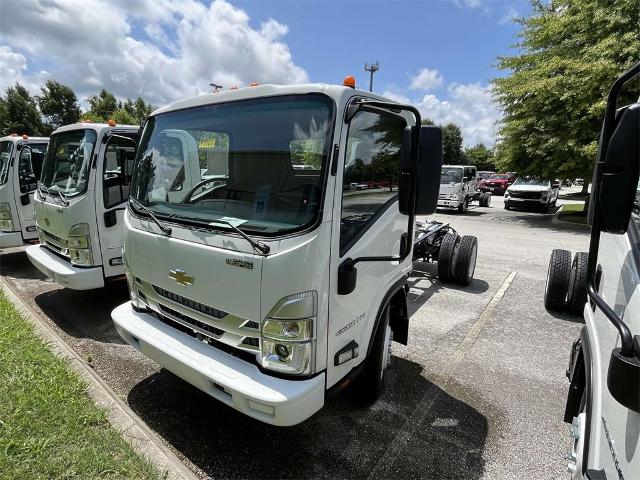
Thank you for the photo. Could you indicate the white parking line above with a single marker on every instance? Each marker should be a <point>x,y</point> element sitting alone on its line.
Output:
<point>382,468</point>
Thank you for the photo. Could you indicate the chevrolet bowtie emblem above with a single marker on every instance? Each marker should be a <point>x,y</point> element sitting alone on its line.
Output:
<point>181,277</point>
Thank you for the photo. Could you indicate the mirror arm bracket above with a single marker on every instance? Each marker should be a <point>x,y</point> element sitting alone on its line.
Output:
<point>626,339</point>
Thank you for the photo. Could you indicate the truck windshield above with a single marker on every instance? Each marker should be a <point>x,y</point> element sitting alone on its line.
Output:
<point>66,165</point>
<point>258,164</point>
<point>450,175</point>
<point>6,148</point>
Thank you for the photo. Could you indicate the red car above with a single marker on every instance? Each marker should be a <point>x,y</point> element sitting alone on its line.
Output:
<point>498,183</point>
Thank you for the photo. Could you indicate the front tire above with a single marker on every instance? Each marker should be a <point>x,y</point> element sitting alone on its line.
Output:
<point>447,255</point>
<point>557,285</point>
<point>462,208</point>
<point>371,381</point>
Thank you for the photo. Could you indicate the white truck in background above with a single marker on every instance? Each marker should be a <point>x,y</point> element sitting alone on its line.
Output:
<point>80,203</point>
<point>603,285</point>
<point>21,160</point>
<point>279,281</point>
<point>459,187</point>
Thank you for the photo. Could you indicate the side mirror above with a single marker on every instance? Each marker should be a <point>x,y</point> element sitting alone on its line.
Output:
<point>430,158</point>
<point>616,191</point>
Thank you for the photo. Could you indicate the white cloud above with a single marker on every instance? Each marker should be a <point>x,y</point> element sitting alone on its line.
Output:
<point>470,106</point>
<point>187,45</point>
<point>426,79</point>
<point>509,16</point>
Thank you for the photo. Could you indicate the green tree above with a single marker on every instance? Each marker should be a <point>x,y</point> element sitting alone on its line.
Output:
<point>19,113</point>
<point>480,156</point>
<point>553,97</point>
<point>141,109</point>
<point>103,105</point>
<point>452,144</point>
<point>123,117</point>
<point>58,104</point>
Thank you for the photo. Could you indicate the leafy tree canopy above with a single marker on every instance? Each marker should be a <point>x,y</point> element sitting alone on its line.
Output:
<point>58,104</point>
<point>452,144</point>
<point>103,105</point>
<point>19,113</point>
<point>554,95</point>
<point>480,156</point>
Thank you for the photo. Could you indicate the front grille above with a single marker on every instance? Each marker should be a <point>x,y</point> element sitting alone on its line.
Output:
<point>529,195</point>
<point>55,244</point>
<point>192,304</point>
<point>226,329</point>
<point>192,321</point>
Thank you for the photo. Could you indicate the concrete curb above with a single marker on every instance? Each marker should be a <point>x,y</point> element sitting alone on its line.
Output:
<point>144,441</point>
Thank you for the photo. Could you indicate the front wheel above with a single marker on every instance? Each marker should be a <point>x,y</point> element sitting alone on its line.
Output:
<point>371,381</point>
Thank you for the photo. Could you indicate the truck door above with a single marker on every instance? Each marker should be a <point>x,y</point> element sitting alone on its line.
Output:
<point>114,169</point>
<point>25,181</point>
<point>366,222</point>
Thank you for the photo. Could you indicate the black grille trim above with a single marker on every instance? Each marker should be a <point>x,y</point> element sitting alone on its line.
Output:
<point>192,304</point>
<point>192,321</point>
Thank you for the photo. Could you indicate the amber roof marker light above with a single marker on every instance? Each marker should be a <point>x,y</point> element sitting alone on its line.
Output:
<point>349,81</point>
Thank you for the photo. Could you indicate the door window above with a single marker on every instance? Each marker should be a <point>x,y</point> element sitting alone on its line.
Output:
<point>30,166</point>
<point>119,158</point>
<point>372,165</point>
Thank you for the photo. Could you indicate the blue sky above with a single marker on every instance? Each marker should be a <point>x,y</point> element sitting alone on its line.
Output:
<point>437,54</point>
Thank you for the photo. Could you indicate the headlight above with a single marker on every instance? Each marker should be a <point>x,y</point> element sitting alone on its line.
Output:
<point>6,223</point>
<point>454,196</point>
<point>288,340</point>
<point>79,244</point>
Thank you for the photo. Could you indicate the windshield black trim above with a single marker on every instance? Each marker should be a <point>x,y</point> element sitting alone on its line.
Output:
<point>88,163</point>
<point>9,161</point>
<point>324,172</point>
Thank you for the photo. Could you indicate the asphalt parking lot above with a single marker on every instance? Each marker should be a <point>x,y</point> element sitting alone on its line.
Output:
<point>477,394</point>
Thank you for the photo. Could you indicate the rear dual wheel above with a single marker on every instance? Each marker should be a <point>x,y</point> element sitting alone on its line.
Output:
<point>566,286</point>
<point>485,199</point>
<point>457,258</point>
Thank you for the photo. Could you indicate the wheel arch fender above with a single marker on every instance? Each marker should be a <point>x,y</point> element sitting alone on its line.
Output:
<point>396,297</point>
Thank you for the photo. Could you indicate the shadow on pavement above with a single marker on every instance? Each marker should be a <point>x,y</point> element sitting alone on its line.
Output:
<point>85,313</point>
<point>473,211</point>
<point>567,317</point>
<point>428,272</point>
<point>343,440</point>
<point>16,264</point>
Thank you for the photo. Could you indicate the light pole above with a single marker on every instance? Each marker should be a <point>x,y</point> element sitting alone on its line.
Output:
<point>373,68</point>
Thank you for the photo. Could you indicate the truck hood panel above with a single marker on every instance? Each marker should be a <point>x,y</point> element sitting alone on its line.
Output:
<point>57,218</point>
<point>449,188</point>
<point>219,278</point>
<point>528,188</point>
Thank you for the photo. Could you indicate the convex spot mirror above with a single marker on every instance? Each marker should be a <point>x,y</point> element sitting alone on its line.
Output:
<point>428,171</point>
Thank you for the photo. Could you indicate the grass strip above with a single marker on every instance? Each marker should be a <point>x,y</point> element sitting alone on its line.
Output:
<point>49,427</point>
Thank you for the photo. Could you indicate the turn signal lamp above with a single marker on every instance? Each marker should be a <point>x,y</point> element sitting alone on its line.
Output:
<point>85,120</point>
<point>235,87</point>
<point>349,81</point>
<point>111,123</point>
<point>253,84</point>
<point>25,136</point>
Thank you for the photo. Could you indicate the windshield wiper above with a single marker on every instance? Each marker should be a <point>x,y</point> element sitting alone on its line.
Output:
<point>257,245</point>
<point>165,230</point>
<point>65,202</point>
<point>41,188</point>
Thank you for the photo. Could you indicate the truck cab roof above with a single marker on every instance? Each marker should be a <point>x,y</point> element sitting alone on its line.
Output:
<point>334,91</point>
<point>20,138</point>
<point>98,127</point>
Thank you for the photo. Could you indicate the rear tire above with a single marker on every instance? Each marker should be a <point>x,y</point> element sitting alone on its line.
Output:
<point>371,379</point>
<point>507,206</point>
<point>465,263</point>
<point>462,208</point>
<point>577,288</point>
<point>447,255</point>
<point>555,290</point>
<point>487,199</point>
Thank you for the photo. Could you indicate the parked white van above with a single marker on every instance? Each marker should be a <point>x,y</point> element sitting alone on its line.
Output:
<point>80,203</point>
<point>271,286</point>
<point>20,164</point>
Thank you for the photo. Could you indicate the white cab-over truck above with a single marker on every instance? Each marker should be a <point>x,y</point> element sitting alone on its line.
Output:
<point>603,403</point>
<point>272,280</point>
<point>459,187</point>
<point>80,203</point>
<point>20,164</point>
